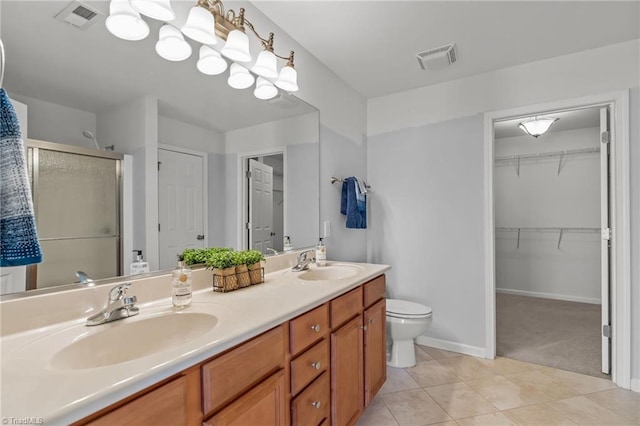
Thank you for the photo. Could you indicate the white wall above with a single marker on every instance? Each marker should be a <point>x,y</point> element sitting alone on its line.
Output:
<point>539,197</point>
<point>57,123</point>
<point>398,117</point>
<point>180,134</point>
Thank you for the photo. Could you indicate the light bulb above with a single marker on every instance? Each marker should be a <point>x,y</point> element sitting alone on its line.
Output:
<point>171,45</point>
<point>124,22</point>
<point>237,47</point>
<point>210,62</point>
<point>264,89</point>
<point>200,26</point>
<point>156,9</point>
<point>240,77</point>
<point>266,65</point>
<point>288,79</point>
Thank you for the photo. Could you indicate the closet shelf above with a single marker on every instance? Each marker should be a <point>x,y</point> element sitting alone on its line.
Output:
<point>560,230</point>
<point>538,155</point>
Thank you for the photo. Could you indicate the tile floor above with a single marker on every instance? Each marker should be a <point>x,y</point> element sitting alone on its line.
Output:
<point>448,389</point>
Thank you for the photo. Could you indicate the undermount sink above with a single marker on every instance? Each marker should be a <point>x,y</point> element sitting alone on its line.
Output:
<point>328,273</point>
<point>125,340</point>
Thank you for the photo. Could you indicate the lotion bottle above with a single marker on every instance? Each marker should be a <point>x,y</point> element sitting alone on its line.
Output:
<point>181,292</point>
<point>321,253</point>
<point>139,266</point>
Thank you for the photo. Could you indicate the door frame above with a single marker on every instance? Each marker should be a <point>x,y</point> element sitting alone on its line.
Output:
<point>205,188</point>
<point>620,283</point>
<point>243,200</point>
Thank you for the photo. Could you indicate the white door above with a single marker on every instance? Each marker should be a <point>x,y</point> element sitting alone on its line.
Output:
<point>260,206</point>
<point>606,237</point>
<point>180,204</point>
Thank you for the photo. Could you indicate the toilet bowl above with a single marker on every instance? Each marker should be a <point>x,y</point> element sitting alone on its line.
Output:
<point>405,321</point>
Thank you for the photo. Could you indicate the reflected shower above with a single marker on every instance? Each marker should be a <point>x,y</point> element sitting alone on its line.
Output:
<point>89,135</point>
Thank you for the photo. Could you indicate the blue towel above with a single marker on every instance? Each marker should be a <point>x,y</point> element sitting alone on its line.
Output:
<point>356,215</point>
<point>18,238</point>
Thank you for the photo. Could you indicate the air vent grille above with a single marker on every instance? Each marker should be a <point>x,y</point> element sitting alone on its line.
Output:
<point>437,58</point>
<point>78,15</point>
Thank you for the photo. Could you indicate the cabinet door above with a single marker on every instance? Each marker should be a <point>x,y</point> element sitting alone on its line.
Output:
<point>375,350</point>
<point>265,404</point>
<point>347,382</point>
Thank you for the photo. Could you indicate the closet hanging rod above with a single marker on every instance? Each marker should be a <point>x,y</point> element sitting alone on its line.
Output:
<point>549,154</point>
<point>335,179</point>
<point>550,229</point>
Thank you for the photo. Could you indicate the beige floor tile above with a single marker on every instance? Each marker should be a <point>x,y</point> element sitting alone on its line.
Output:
<point>493,419</point>
<point>431,373</point>
<point>377,415</point>
<point>415,408</point>
<point>466,367</point>
<point>620,401</point>
<point>377,401</point>
<point>398,380</point>
<point>421,355</point>
<point>541,387</point>
<point>586,412</point>
<point>437,353</point>
<point>538,415</point>
<point>580,382</point>
<point>502,393</point>
<point>504,366</point>
<point>459,400</point>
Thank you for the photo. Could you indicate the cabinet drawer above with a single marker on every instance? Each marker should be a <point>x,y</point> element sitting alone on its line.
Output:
<point>312,406</point>
<point>164,405</point>
<point>346,307</point>
<point>309,328</point>
<point>374,290</point>
<point>229,375</point>
<point>309,365</point>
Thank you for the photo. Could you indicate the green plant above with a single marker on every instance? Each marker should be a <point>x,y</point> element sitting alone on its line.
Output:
<point>197,256</point>
<point>221,259</point>
<point>252,257</point>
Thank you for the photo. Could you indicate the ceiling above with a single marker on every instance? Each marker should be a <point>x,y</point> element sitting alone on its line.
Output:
<point>92,70</point>
<point>372,45</point>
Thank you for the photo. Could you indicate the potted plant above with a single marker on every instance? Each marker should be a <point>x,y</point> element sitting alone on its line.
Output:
<point>253,259</point>
<point>241,269</point>
<point>199,256</point>
<point>223,264</point>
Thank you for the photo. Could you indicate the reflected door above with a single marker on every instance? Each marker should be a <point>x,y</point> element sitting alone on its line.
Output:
<point>260,206</point>
<point>180,203</point>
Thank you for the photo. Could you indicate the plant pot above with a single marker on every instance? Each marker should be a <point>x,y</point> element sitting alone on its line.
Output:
<point>242,273</point>
<point>255,273</point>
<point>225,279</point>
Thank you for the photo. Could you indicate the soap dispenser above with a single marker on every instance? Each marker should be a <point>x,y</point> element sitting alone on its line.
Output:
<point>181,292</point>
<point>139,266</point>
<point>321,253</point>
<point>287,243</point>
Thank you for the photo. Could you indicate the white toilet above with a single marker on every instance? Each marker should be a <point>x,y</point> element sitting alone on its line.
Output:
<point>405,321</point>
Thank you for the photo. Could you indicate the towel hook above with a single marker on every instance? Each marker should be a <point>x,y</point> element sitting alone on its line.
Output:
<point>1,62</point>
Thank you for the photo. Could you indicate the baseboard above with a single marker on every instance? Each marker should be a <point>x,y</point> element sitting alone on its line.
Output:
<point>553,296</point>
<point>451,346</point>
<point>635,385</point>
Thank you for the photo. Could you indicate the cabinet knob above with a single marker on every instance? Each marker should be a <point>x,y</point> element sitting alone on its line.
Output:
<point>316,404</point>
<point>364,327</point>
<point>316,328</point>
<point>316,365</point>
<point>371,321</point>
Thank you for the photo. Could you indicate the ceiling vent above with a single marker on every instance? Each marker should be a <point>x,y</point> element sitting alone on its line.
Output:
<point>78,15</point>
<point>438,58</point>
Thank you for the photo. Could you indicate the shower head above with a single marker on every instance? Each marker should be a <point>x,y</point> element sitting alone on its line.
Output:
<point>89,135</point>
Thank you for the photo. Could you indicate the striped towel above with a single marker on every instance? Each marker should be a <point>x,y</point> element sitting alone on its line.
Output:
<point>18,238</point>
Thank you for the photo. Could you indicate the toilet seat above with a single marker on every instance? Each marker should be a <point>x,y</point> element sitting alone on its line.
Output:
<point>404,309</point>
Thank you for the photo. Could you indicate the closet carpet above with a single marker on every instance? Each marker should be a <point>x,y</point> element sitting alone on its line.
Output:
<point>555,333</point>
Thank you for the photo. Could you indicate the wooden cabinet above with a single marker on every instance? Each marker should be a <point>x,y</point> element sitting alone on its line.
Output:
<point>265,404</point>
<point>323,367</point>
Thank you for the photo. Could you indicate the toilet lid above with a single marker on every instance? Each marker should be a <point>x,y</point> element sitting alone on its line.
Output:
<point>404,308</point>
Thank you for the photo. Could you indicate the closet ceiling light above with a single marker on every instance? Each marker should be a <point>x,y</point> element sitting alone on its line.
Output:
<point>537,126</point>
<point>207,22</point>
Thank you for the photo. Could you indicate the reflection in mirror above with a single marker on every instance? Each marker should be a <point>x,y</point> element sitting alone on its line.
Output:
<point>186,141</point>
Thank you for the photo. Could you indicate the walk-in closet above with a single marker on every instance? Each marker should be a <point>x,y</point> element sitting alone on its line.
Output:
<point>550,202</point>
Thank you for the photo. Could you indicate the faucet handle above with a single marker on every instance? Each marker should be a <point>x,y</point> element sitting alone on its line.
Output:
<point>130,301</point>
<point>118,292</point>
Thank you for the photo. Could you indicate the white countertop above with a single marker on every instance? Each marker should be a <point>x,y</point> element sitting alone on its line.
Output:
<point>32,388</point>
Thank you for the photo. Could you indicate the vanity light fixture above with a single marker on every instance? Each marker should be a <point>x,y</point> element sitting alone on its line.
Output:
<point>207,22</point>
<point>537,126</point>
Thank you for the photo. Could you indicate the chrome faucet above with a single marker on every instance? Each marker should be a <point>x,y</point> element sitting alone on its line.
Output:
<point>304,259</point>
<point>272,250</point>
<point>83,277</point>
<point>118,306</point>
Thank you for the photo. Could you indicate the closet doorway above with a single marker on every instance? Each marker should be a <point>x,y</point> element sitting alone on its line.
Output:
<point>552,240</point>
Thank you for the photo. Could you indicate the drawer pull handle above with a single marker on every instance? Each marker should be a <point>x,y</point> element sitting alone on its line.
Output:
<point>316,328</point>
<point>316,365</point>
<point>316,404</point>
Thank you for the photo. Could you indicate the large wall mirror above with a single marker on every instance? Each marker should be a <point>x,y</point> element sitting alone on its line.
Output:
<point>190,149</point>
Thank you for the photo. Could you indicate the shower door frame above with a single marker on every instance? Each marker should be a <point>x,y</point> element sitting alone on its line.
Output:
<point>620,266</point>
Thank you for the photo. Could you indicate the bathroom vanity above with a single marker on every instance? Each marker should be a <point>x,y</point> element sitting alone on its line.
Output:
<point>286,352</point>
